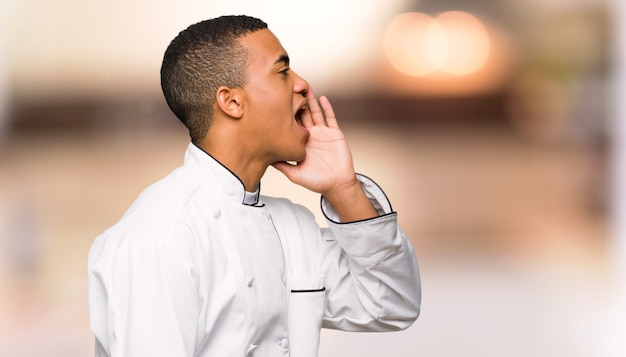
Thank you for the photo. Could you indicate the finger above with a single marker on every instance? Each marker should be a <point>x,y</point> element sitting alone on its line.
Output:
<point>314,108</point>
<point>331,119</point>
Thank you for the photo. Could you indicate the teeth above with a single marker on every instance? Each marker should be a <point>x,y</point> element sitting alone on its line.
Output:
<point>300,110</point>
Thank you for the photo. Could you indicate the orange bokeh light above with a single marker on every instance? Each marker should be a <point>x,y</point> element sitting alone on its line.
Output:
<point>454,42</point>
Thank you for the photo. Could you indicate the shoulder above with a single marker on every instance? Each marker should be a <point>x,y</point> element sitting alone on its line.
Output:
<point>155,217</point>
<point>169,194</point>
<point>174,188</point>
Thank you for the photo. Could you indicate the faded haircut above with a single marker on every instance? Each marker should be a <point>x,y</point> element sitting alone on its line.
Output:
<point>198,61</point>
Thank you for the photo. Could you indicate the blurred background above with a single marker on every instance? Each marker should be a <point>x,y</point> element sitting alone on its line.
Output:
<point>495,128</point>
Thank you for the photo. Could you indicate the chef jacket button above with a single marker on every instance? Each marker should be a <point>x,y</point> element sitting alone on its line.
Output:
<point>217,213</point>
<point>250,281</point>
<point>284,343</point>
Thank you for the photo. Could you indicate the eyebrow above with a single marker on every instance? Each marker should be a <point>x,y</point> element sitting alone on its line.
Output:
<point>284,59</point>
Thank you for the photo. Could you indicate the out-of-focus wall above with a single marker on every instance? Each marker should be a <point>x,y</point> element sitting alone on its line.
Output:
<point>618,180</point>
<point>485,122</point>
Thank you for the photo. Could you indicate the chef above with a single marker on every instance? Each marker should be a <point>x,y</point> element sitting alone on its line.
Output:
<point>203,265</point>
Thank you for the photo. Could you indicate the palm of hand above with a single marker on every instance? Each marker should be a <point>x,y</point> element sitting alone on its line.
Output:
<point>328,162</point>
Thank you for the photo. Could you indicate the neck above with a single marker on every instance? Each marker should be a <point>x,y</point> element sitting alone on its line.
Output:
<point>237,159</point>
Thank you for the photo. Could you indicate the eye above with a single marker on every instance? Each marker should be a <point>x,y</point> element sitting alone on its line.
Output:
<point>284,71</point>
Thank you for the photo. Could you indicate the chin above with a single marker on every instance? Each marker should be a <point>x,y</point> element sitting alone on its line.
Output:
<point>295,152</point>
<point>297,156</point>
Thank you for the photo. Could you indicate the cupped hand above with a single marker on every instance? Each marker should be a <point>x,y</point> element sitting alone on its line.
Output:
<point>328,164</point>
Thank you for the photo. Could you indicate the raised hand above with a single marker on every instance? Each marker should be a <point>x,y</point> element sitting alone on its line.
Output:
<point>328,168</point>
<point>328,163</point>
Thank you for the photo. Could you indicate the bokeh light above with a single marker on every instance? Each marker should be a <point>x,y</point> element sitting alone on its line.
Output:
<point>453,42</point>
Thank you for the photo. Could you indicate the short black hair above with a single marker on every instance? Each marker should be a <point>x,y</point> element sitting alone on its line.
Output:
<point>203,57</point>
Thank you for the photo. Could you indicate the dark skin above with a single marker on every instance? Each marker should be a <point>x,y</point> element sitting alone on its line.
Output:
<point>276,118</point>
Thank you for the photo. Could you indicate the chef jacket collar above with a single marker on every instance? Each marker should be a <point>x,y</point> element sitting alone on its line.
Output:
<point>221,176</point>
<point>251,198</point>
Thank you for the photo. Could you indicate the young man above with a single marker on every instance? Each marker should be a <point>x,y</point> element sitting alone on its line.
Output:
<point>202,265</point>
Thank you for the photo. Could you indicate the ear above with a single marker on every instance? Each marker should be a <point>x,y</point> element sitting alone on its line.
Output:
<point>229,100</point>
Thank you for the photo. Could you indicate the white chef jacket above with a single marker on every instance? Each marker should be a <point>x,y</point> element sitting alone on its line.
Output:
<point>191,271</point>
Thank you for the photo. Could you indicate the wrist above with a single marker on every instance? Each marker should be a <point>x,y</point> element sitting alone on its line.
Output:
<point>343,192</point>
<point>350,202</point>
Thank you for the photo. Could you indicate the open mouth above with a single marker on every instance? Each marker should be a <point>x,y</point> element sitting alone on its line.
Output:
<point>298,115</point>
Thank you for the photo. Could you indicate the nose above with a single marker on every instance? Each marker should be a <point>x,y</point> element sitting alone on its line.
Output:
<point>300,85</point>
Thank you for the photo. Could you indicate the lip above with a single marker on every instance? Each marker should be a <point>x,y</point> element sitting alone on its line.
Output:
<point>306,131</point>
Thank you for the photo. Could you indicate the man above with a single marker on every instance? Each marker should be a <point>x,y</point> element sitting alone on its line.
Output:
<point>202,265</point>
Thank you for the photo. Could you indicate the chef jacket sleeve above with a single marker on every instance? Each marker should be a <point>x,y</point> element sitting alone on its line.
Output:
<point>371,272</point>
<point>143,299</point>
